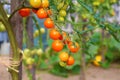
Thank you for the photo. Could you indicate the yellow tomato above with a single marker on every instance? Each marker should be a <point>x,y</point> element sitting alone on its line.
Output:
<point>64,56</point>
<point>96,63</point>
<point>45,3</point>
<point>96,3</point>
<point>113,1</point>
<point>97,60</point>
<point>35,3</point>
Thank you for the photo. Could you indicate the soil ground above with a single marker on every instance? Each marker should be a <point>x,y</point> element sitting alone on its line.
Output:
<point>93,73</point>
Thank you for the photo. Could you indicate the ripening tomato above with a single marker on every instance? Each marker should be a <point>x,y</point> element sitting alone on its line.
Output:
<point>64,56</point>
<point>41,13</point>
<point>62,13</point>
<point>45,3</point>
<point>35,3</point>
<point>48,23</point>
<point>57,45</point>
<point>70,61</point>
<point>73,47</point>
<point>24,12</point>
<point>54,34</point>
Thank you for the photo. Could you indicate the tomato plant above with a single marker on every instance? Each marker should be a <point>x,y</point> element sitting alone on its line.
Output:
<point>79,19</point>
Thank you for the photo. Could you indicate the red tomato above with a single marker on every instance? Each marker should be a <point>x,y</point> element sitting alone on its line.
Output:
<point>24,12</point>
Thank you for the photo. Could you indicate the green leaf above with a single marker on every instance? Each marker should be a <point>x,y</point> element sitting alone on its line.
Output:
<point>105,64</point>
<point>36,58</point>
<point>54,59</point>
<point>59,71</point>
<point>93,49</point>
<point>109,56</point>
<point>49,42</point>
<point>76,69</point>
<point>96,38</point>
<point>43,65</point>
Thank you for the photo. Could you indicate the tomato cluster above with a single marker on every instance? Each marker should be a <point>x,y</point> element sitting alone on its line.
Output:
<point>29,54</point>
<point>60,39</point>
<point>61,7</point>
<point>66,59</point>
<point>40,8</point>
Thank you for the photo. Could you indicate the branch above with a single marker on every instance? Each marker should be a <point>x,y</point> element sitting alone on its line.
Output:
<point>18,8</point>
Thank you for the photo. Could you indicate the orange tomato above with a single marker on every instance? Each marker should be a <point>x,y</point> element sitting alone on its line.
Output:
<point>45,3</point>
<point>54,34</point>
<point>70,61</point>
<point>64,56</point>
<point>41,13</point>
<point>57,45</point>
<point>73,47</point>
<point>24,12</point>
<point>48,23</point>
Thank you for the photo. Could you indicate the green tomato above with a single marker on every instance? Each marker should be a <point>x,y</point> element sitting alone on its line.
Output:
<point>61,19</point>
<point>62,13</point>
<point>65,7</point>
<point>62,64</point>
<point>96,3</point>
<point>60,5</point>
<point>26,52</point>
<point>113,1</point>
<point>2,27</point>
<point>30,61</point>
<point>36,33</point>
<point>34,51</point>
<point>42,30</point>
<point>39,51</point>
